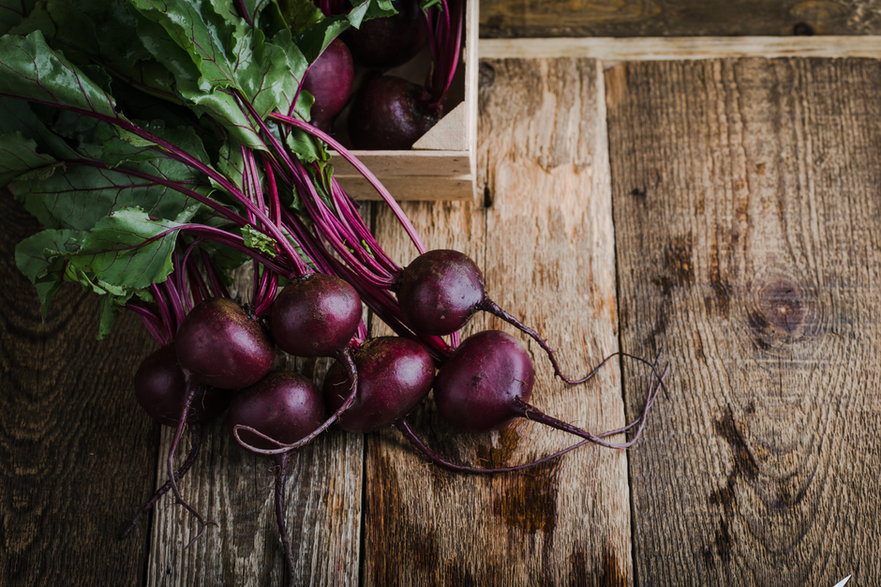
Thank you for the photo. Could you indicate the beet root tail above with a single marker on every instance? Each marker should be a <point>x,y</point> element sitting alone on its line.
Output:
<point>490,306</point>
<point>530,412</point>
<point>280,477</point>
<point>195,445</point>
<point>169,463</point>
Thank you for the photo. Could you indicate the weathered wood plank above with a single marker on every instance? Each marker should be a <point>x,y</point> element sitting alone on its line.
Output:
<point>747,221</point>
<point>661,18</point>
<point>234,490</point>
<point>77,453</point>
<point>545,242</point>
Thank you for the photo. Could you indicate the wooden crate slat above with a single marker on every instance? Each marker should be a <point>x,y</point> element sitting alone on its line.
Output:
<point>612,50</point>
<point>392,164</point>
<point>409,189</point>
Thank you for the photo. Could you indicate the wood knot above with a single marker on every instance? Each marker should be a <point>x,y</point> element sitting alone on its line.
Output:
<point>802,29</point>
<point>780,313</point>
<point>781,303</point>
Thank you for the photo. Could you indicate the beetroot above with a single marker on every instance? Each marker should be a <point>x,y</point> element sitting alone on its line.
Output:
<point>222,346</point>
<point>161,387</point>
<point>479,387</point>
<point>393,40</point>
<point>501,395</point>
<point>394,374</point>
<point>390,113</point>
<point>439,291</point>
<point>488,381</point>
<point>315,316</point>
<point>329,79</point>
<point>283,405</point>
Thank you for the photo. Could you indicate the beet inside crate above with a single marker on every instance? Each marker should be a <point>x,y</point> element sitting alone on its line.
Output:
<point>441,163</point>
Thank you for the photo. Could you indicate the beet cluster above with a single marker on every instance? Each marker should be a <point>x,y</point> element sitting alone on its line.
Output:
<point>222,350</point>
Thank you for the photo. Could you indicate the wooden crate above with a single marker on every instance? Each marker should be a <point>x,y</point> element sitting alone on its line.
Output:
<point>441,164</point>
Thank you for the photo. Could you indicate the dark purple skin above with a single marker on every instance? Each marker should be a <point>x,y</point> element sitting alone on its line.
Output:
<point>315,316</point>
<point>477,388</point>
<point>390,113</point>
<point>329,80</point>
<point>439,291</point>
<point>394,374</point>
<point>160,386</point>
<point>387,42</point>
<point>223,347</point>
<point>283,405</point>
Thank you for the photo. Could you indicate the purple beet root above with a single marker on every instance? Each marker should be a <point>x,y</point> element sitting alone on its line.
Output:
<point>390,113</point>
<point>488,381</point>
<point>394,374</point>
<point>387,42</point>
<point>222,346</point>
<point>439,291</point>
<point>315,316</point>
<point>161,387</point>
<point>482,385</point>
<point>283,405</point>
<point>287,407</point>
<point>329,80</point>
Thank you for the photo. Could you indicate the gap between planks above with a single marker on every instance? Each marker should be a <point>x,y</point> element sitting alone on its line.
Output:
<point>612,49</point>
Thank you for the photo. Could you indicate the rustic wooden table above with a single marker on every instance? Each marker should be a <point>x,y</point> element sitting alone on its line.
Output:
<point>725,213</point>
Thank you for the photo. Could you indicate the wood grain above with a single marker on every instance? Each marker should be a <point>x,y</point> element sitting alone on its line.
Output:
<point>661,18</point>
<point>545,242</point>
<point>77,453</point>
<point>747,221</point>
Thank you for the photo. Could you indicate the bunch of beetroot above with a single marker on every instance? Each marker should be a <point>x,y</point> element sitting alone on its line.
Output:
<point>387,111</point>
<point>224,169</point>
<point>220,350</point>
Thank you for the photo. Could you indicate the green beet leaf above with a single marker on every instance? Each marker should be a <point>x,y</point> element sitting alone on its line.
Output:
<point>19,156</point>
<point>13,13</point>
<point>128,249</point>
<point>30,69</point>
<point>41,257</point>
<point>254,239</point>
